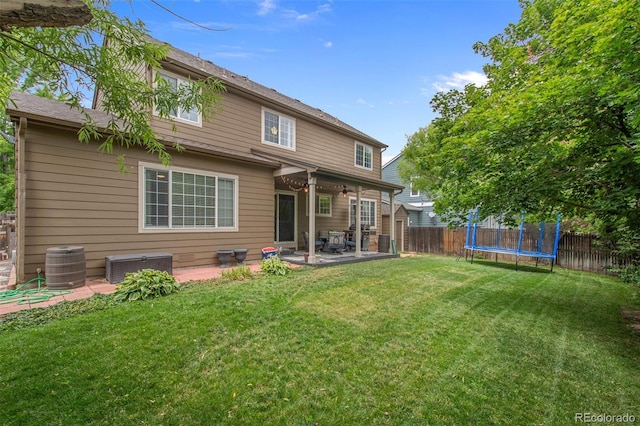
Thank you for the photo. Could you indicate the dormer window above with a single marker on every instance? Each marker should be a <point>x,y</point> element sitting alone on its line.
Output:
<point>278,129</point>
<point>364,156</point>
<point>191,116</point>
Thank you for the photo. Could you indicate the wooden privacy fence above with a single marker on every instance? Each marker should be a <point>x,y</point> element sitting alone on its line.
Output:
<point>575,251</point>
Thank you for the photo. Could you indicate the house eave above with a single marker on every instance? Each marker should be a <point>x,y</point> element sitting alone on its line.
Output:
<point>331,175</point>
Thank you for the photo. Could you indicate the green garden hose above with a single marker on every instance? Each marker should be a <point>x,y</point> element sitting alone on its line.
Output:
<point>31,295</point>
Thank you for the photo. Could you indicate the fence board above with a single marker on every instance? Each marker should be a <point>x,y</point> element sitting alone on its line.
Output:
<point>575,251</point>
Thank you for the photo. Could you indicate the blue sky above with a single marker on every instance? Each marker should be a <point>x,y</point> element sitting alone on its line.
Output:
<point>375,64</point>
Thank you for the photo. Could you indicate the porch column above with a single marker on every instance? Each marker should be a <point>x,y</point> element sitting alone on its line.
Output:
<point>392,219</point>
<point>312,218</point>
<point>358,230</point>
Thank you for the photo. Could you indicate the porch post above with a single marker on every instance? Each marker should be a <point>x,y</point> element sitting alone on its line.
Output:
<point>312,218</point>
<point>392,219</point>
<point>358,230</point>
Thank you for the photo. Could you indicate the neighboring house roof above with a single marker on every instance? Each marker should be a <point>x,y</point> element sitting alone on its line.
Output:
<point>59,113</point>
<point>392,160</point>
<point>386,211</point>
<point>243,83</point>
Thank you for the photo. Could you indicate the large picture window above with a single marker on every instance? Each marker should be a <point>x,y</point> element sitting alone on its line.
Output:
<point>192,116</point>
<point>278,129</point>
<point>367,212</point>
<point>186,199</point>
<point>364,156</point>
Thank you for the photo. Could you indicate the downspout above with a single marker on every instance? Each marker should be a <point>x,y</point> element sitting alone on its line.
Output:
<point>21,196</point>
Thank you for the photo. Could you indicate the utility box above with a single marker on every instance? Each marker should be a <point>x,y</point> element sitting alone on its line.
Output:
<point>118,265</point>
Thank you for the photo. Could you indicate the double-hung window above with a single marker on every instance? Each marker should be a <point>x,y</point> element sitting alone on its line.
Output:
<point>192,115</point>
<point>278,129</point>
<point>182,199</point>
<point>367,212</point>
<point>413,192</point>
<point>323,205</point>
<point>364,156</point>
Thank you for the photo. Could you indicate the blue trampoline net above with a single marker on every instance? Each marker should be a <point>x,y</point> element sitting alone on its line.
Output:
<point>539,241</point>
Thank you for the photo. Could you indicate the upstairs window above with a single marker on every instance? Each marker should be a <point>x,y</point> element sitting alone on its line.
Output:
<point>278,130</point>
<point>192,116</point>
<point>364,156</point>
<point>413,192</point>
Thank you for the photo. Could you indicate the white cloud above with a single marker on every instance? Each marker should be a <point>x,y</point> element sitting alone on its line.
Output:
<point>304,17</point>
<point>361,101</point>
<point>459,80</point>
<point>266,6</point>
<point>328,44</point>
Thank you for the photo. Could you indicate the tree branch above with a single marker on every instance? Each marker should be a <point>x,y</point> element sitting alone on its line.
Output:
<point>43,13</point>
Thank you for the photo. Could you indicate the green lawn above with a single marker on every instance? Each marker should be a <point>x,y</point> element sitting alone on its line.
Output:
<point>412,341</point>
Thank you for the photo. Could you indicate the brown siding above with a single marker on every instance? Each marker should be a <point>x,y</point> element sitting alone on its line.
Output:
<point>238,125</point>
<point>77,196</point>
<point>339,220</point>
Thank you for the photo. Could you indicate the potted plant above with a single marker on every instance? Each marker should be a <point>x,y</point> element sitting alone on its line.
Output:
<point>224,257</point>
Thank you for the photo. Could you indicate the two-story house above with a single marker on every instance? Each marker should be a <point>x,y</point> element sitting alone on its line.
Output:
<point>262,171</point>
<point>418,204</point>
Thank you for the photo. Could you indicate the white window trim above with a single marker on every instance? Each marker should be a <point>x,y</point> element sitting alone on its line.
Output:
<point>371,200</point>
<point>318,194</point>
<point>411,191</point>
<point>355,155</point>
<point>293,132</point>
<point>141,193</point>
<point>180,79</point>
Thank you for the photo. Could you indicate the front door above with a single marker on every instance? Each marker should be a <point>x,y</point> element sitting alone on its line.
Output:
<point>285,219</point>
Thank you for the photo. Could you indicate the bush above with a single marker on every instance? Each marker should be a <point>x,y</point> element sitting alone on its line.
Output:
<point>275,266</point>
<point>237,274</point>
<point>145,284</point>
<point>630,273</point>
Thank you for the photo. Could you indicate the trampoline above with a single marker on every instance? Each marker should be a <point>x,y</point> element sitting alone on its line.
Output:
<point>539,242</point>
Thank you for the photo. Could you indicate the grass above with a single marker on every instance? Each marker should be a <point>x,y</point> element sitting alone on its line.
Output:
<point>424,340</point>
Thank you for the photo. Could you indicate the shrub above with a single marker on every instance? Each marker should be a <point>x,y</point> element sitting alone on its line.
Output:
<point>629,273</point>
<point>145,284</point>
<point>237,274</point>
<point>275,266</point>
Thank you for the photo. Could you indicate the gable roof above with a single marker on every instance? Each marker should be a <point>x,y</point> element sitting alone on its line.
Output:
<point>198,65</point>
<point>394,159</point>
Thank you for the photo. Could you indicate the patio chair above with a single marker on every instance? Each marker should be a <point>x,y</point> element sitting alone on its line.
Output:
<point>319,243</point>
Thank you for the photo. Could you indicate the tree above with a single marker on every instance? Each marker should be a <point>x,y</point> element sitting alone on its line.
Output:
<point>43,13</point>
<point>71,62</point>
<point>556,128</point>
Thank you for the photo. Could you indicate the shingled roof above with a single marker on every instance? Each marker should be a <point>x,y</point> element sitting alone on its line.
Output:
<point>59,113</point>
<point>243,83</point>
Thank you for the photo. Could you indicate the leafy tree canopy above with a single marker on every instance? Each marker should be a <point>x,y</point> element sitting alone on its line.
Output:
<point>556,128</point>
<point>70,63</point>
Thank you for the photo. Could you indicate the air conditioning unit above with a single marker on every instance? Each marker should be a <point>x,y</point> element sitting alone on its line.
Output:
<point>118,265</point>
